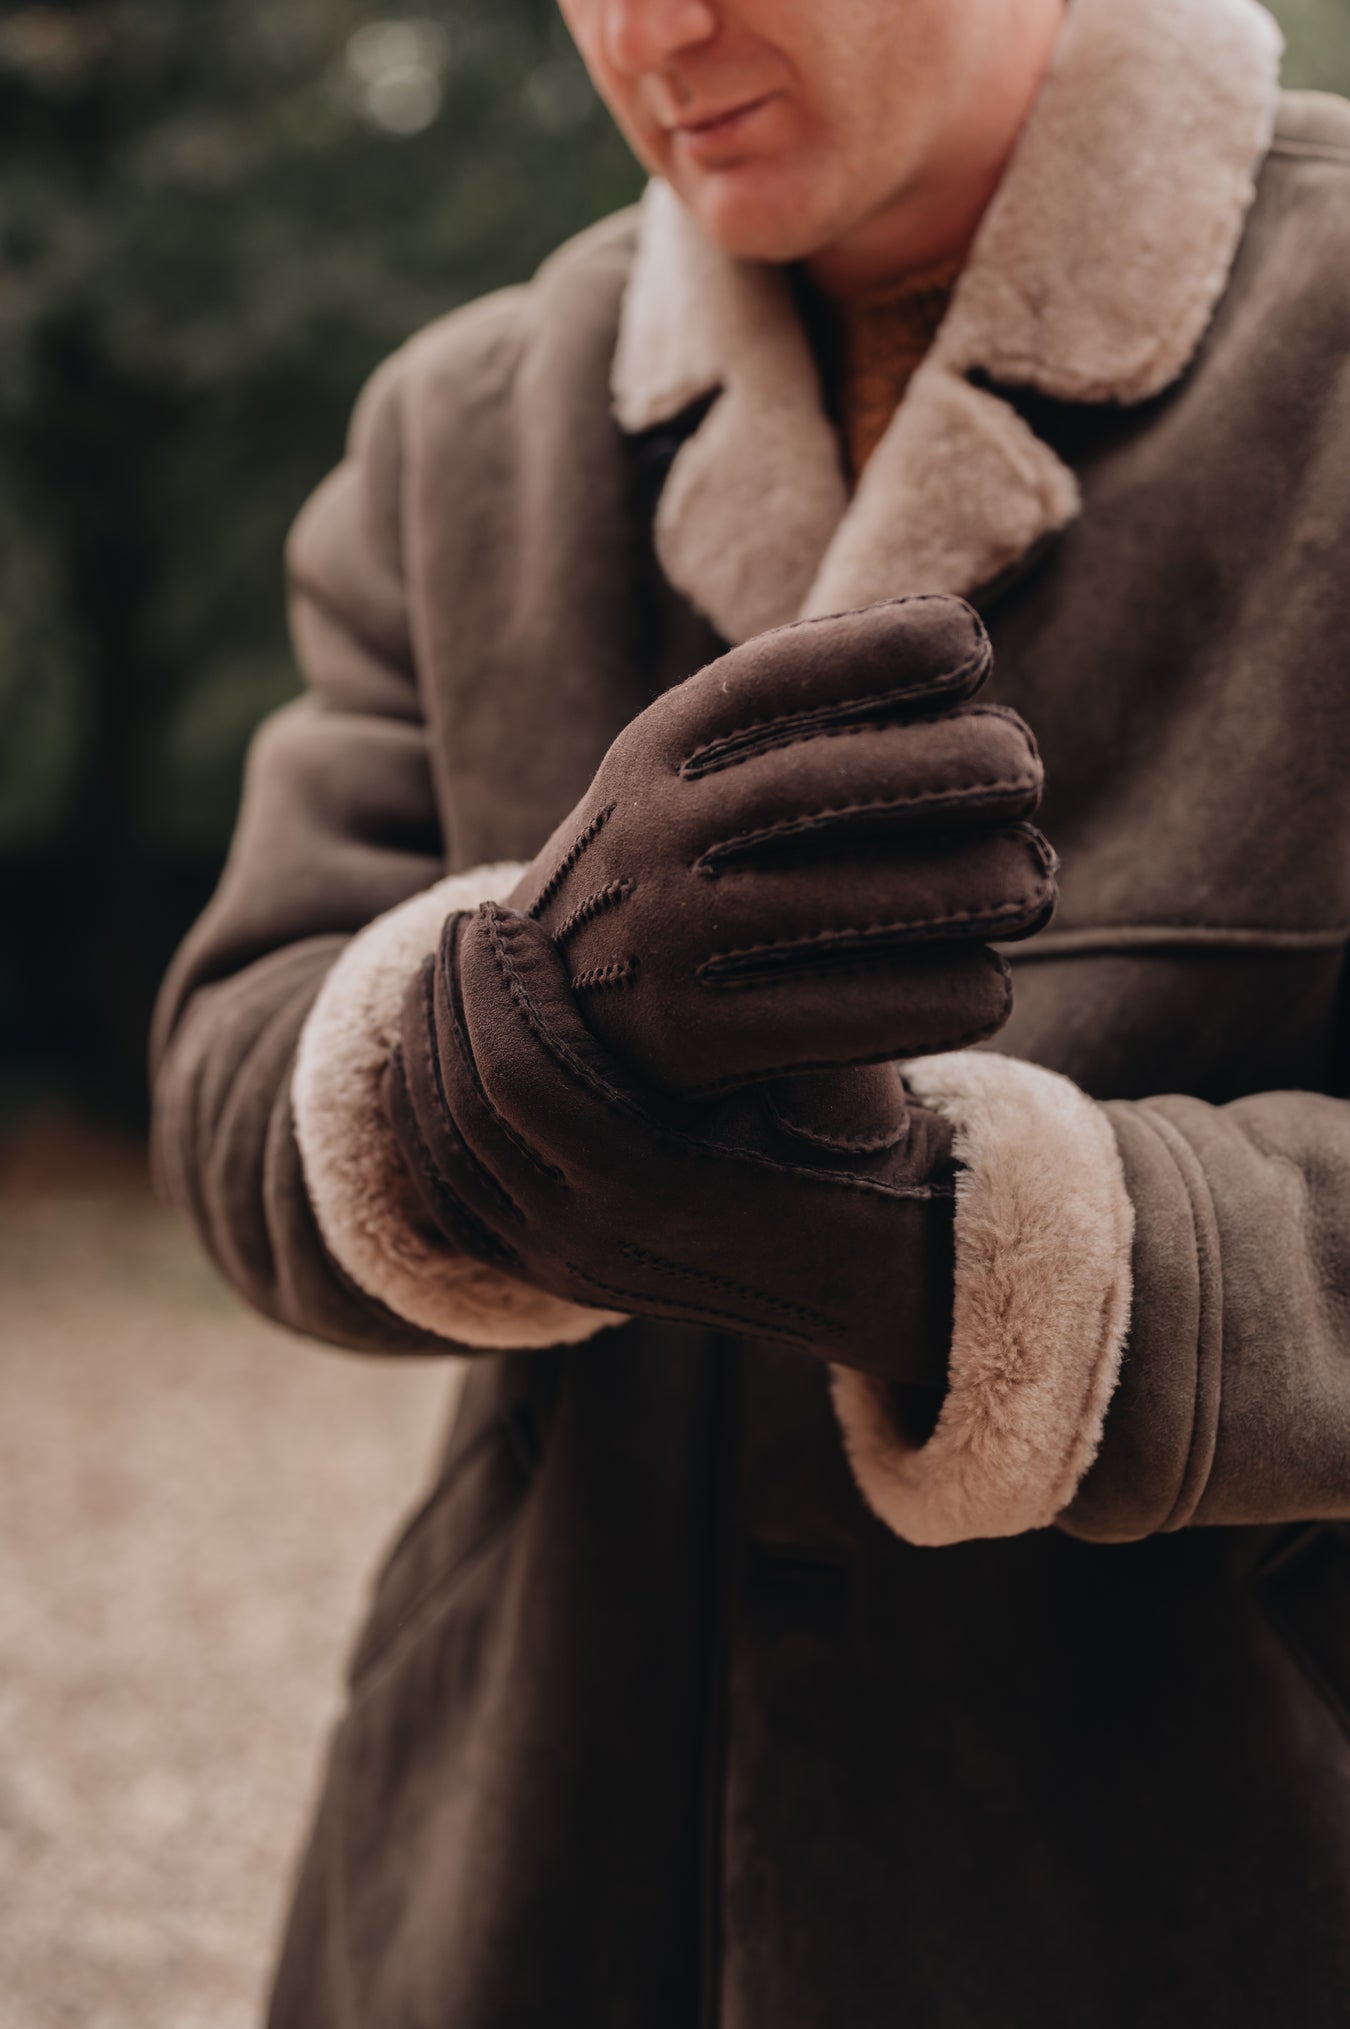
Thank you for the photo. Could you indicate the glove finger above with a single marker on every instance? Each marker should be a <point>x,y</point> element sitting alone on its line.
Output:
<point>425,1160</point>
<point>870,896</point>
<point>976,767</point>
<point>899,659</point>
<point>898,1004</point>
<point>487,1178</point>
<point>467,1169</point>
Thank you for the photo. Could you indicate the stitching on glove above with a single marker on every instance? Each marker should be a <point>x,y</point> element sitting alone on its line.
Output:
<point>679,1308</point>
<point>743,843</point>
<point>494,917</point>
<point>570,858</point>
<point>474,1235</point>
<point>962,711</point>
<point>714,970</point>
<point>457,1218</point>
<point>781,729</point>
<point>593,906</point>
<point>890,1138</point>
<point>432,1060</point>
<point>620,973</point>
<point>818,1318</point>
<point>459,1029</point>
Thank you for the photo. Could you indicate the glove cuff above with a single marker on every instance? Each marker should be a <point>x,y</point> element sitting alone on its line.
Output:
<point>1044,1226</point>
<point>367,1208</point>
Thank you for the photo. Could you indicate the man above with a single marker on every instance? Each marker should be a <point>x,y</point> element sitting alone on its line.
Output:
<point>931,1607</point>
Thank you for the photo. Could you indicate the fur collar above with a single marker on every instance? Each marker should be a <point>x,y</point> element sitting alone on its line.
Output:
<point>1094,277</point>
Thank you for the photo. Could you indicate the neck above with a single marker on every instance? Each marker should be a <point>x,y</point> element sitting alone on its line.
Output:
<point>932,220</point>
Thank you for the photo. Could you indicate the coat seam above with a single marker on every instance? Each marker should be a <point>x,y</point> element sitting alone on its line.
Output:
<point>1205,1417</point>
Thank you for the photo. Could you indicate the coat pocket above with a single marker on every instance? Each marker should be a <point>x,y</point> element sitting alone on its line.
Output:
<point>1304,1586</point>
<point>478,1495</point>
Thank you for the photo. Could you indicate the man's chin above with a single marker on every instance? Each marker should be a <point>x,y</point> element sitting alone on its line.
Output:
<point>752,218</point>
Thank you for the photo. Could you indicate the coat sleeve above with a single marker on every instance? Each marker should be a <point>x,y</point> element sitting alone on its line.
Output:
<point>1152,1320</point>
<point>274,1022</point>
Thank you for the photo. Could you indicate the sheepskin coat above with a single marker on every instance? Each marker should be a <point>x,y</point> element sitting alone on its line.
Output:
<point>692,1694</point>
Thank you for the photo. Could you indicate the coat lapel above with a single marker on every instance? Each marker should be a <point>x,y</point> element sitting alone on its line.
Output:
<point>1094,276</point>
<point>757,492</point>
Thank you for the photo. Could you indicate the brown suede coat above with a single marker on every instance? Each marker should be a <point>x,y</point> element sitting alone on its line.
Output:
<point>658,1718</point>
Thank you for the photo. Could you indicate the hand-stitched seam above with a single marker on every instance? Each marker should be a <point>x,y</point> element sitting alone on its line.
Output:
<point>922,929</point>
<point>473,1233</point>
<point>726,751</point>
<point>459,1029</point>
<point>766,736</point>
<point>678,1307</point>
<point>582,844</point>
<point>804,1312</point>
<point>433,1059</point>
<point>620,973</point>
<point>917,1193</point>
<point>1189,1495</point>
<point>814,733</point>
<point>593,906</point>
<point>519,994</point>
<point>1092,939</point>
<point>744,842</point>
<point>1041,846</point>
<point>1005,713</point>
<point>843,1144</point>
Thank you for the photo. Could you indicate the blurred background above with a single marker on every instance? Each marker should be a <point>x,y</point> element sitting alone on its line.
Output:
<point>215,219</point>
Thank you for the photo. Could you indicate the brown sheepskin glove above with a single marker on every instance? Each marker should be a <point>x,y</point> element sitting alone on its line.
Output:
<point>787,863</point>
<point>792,860</point>
<point>537,1153</point>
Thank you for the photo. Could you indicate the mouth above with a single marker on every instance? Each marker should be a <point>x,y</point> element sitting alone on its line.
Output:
<point>721,125</point>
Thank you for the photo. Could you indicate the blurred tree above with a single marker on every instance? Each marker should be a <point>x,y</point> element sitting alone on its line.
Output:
<point>1318,35</point>
<point>213,222</point>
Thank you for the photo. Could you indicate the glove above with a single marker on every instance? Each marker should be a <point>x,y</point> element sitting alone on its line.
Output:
<point>791,860</point>
<point>537,1153</point>
<point>596,1087</point>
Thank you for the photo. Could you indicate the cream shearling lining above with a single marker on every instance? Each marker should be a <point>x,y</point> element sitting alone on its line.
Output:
<point>368,1213</point>
<point>1094,277</point>
<point>1044,1228</point>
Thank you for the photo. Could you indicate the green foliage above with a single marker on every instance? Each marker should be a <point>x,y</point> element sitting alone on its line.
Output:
<point>1318,37</point>
<point>214,220</point>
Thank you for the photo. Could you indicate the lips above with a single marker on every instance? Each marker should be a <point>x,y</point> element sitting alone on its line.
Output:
<point>722,139</point>
<point>723,121</point>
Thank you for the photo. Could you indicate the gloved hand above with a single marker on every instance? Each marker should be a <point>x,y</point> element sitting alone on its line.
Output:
<point>787,862</point>
<point>537,1153</point>
<point>792,860</point>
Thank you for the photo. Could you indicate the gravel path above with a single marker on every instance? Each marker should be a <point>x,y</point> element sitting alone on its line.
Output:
<point>191,1505</point>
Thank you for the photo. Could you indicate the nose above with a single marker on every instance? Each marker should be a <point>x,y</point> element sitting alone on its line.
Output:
<point>641,35</point>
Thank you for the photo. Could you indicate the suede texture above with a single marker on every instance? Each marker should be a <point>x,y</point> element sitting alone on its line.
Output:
<point>537,1155</point>
<point>368,1208</point>
<point>685,922</point>
<point>792,861</point>
<point>654,1719</point>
